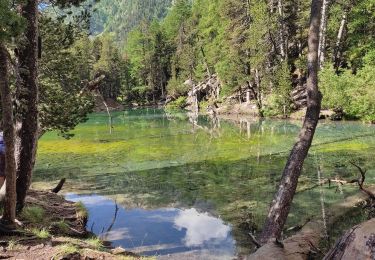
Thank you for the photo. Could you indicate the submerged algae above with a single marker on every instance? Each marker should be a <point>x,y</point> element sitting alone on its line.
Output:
<point>231,169</point>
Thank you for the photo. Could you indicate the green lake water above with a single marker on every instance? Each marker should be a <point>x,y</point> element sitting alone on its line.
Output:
<point>185,185</point>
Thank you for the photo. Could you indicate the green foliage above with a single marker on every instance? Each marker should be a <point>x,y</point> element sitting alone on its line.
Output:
<point>41,233</point>
<point>176,16</point>
<point>81,210</point>
<point>279,102</point>
<point>176,88</point>
<point>361,31</point>
<point>351,92</point>
<point>95,243</point>
<point>109,62</point>
<point>65,249</point>
<point>11,24</point>
<point>149,56</point>
<point>65,64</point>
<point>248,44</point>
<point>33,214</point>
<point>121,16</point>
<point>179,103</point>
<point>62,226</point>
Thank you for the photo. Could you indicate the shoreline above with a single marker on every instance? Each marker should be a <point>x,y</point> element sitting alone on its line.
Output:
<point>55,228</point>
<point>235,114</point>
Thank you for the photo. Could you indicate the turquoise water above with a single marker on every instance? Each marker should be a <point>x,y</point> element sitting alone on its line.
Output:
<point>188,185</point>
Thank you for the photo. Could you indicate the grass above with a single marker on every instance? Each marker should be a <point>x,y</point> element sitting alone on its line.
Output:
<point>41,233</point>
<point>12,245</point>
<point>95,243</point>
<point>62,226</point>
<point>65,249</point>
<point>81,211</point>
<point>33,214</point>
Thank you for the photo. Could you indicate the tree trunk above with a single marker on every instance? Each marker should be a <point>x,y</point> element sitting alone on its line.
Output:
<point>281,203</point>
<point>322,35</point>
<point>283,40</point>
<point>259,94</point>
<point>28,134</point>
<point>9,214</point>
<point>340,34</point>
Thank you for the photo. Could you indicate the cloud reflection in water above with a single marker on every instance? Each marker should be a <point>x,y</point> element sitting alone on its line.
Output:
<point>162,231</point>
<point>200,227</point>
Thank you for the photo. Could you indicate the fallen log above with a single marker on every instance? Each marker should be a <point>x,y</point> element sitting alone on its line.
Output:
<point>357,243</point>
<point>304,244</point>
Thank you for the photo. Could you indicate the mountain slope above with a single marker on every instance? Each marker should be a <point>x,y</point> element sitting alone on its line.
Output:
<point>121,16</point>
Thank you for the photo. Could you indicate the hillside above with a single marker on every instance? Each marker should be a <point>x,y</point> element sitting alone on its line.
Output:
<point>121,16</point>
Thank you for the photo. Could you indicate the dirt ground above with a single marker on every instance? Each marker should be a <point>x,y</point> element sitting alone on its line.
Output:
<point>53,228</point>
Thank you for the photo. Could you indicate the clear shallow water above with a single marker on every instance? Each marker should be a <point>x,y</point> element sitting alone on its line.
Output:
<point>157,232</point>
<point>169,173</point>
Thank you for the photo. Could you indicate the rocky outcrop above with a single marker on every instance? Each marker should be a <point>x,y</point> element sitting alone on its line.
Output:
<point>299,97</point>
<point>239,109</point>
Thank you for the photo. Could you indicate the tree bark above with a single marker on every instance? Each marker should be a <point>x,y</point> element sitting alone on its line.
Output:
<point>322,35</point>
<point>9,214</point>
<point>357,243</point>
<point>28,133</point>
<point>340,34</point>
<point>281,203</point>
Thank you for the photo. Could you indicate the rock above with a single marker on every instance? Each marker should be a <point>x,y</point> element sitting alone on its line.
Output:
<point>337,114</point>
<point>240,109</point>
<point>72,256</point>
<point>299,96</point>
<point>37,247</point>
<point>118,251</point>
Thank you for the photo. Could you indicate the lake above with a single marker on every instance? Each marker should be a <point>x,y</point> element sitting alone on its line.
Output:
<point>180,186</point>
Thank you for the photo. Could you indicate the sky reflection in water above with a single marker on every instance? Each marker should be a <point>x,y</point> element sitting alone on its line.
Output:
<point>157,232</point>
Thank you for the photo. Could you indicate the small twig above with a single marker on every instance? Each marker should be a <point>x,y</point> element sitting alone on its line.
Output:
<point>299,227</point>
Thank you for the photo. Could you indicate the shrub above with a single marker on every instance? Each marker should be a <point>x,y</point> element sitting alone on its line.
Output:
<point>179,103</point>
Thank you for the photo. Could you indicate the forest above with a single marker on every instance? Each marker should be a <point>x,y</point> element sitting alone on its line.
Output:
<point>257,50</point>
<point>205,129</point>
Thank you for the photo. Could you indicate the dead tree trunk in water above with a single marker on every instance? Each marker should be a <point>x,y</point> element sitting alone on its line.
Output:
<point>282,201</point>
<point>9,214</point>
<point>28,133</point>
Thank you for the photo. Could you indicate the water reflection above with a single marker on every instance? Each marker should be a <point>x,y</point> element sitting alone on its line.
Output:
<point>200,227</point>
<point>157,232</point>
<point>171,174</point>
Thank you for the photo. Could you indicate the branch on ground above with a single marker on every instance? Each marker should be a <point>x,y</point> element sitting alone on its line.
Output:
<point>59,186</point>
